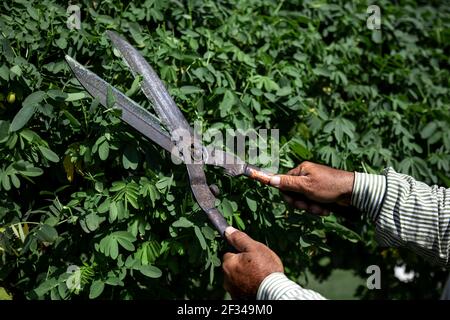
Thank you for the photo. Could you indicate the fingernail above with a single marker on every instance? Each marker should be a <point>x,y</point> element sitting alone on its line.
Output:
<point>230,230</point>
<point>275,181</point>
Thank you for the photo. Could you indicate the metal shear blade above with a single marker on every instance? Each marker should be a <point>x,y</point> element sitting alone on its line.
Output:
<point>170,117</point>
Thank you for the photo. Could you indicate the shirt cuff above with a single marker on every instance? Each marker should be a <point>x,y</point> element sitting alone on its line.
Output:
<point>277,286</point>
<point>368,193</point>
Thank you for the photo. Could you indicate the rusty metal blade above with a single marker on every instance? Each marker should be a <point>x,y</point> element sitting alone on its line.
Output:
<point>152,86</point>
<point>132,113</point>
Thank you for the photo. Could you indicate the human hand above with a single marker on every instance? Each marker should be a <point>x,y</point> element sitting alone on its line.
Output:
<point>312,187</point>
<point>244,271</point>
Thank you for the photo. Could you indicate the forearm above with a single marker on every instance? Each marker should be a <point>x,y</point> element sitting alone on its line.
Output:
<point>277,286</point>
<point>406,213</point>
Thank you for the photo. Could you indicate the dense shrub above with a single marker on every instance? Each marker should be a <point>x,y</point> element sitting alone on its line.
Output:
<point>79,187</point>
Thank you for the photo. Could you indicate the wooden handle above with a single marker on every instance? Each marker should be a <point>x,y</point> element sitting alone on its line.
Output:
<point>258,174</point>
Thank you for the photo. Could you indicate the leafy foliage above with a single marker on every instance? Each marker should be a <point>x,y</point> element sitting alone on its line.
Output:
<point>79,187</point>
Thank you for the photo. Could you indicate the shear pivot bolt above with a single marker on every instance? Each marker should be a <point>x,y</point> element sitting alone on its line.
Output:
<point>214,189</point>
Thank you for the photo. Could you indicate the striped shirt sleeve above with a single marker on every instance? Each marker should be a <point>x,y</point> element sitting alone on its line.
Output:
<point>406,213</point>
<point>368,193</point>
<point>277,286</point>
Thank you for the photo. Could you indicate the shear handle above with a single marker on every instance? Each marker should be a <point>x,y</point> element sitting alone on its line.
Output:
<point>257,174</point>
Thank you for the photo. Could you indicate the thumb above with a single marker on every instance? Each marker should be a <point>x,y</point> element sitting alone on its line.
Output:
<point>239,240</point>
<point>289,183</point>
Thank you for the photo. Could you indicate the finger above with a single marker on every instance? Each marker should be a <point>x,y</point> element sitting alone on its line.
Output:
<point>229,262</point>
<point>296,200</point>
<point>227,257</point>
<point>316,209</point>
<point>226,284</point>
<point>299,204</point>
<point>300,170</point>
<point>239,240</point>
<point>294,172</point>
<point>288,199</point>
<point>289,183</point>
<point>294,195</point>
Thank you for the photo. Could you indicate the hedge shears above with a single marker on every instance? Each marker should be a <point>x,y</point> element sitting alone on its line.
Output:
<point>169,129</point>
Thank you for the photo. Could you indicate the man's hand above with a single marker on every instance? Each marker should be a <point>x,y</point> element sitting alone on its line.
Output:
<point>312,186</point>
<point>244,271</point>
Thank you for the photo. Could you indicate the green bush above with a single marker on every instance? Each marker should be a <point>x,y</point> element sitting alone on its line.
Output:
<point>79,187</point>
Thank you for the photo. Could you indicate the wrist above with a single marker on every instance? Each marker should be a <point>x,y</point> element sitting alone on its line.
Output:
<point>347,181</point>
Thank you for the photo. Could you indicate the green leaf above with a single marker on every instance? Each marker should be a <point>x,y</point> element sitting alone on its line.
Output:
<point>21,118</point>
<point>227,208</point>
<point>284,91</point>
<point>132,199</point>
<point>240,224</point>
<point>200,237</point>
<point>124,235</point>
<point>190,89</point>
<point>15,181</point>
<point>61,43</point>
<point>112,211</point>
<point>125,239</point>
<point>117,186</point>
<point>49,154</point>
<point>45,287</point>
<point>321,71</point>
<point>134,86</point>
<point>4,72</point>
<point>331,225</point>
<point>32,172</point>
<point>46,233</point>
<point>75,96</point>
<point>110,98</point>
<point>113,248</point>
<point>127,245</point>
<point>209,233</point>
<point>103,150</point>
<point>56,94</point>
<point>252,204</point>
<point>4,129</point>
<point>74,121</point>
<point>428,130</point>
<point>182,223</point>
<point>130,158</point>
<point>33,12</point>
<point>34,99</point>
<point>92,221</point>
<point>4,295</point>
<point>16,70</point>
<point>150,271</point>
<point>114,281</point>
<point>227,103</point>
<point>96,289</point>
<point>377,36</point>
<point>104,206</point>
<point>5,182</point>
